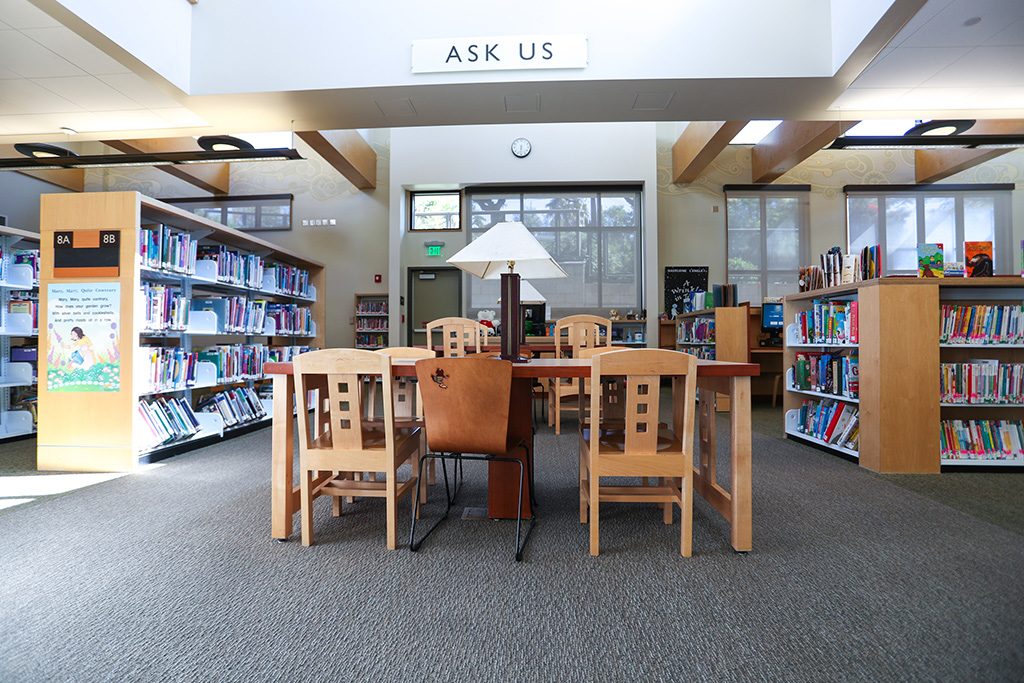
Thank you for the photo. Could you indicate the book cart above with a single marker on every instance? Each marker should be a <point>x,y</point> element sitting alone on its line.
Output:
<point>194,309</point>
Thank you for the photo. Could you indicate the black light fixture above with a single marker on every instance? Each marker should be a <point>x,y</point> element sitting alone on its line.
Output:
<point>41,150</point>
<point>71,160</point>
<point>928,142</point>
<point>942,127</point>
<point>223,143</point>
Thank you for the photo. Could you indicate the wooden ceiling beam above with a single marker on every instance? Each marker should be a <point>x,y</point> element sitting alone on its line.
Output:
<point>213,178</point>
<point>791,143</point>
<point>347,152</point>
<point>69,178</point>
<point>698,145</point>
<point>931,165</point>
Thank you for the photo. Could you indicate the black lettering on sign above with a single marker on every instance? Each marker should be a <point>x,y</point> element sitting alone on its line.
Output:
<point>533,52</point>
<point>453,53</point>
<point>489,49</point>
<point>547,48</point>
<point>473,56</point>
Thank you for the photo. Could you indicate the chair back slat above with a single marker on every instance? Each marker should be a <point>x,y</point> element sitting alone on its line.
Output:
<point>583,332</point>
<point>612,395</point>
<point>459,336</point>
<point>465,403</point>
<point>335,377</point>
<point>405,392</point>
<point>640,372</point>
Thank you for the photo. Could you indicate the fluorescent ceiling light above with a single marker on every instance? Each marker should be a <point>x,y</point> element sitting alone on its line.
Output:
<point>142,159</point>
<point>929,142</point>
<point>754,132</point>
<point>881,127</point>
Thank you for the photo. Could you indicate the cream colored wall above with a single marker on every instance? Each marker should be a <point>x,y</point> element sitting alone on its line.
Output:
<point>353,250</point>
<point>692,233</point>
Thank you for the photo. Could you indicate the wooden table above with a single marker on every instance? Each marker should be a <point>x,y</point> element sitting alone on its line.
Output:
<point>735,505</point>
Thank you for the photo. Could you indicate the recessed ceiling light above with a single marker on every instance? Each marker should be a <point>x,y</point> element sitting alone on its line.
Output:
<point>223,143</point>
<point>41,150</point>
<point>941,127</point>
<point>754,132</point>
<point>972,21</point>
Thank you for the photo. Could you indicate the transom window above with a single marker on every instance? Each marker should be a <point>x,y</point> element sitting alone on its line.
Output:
<point>900,217</point>
<point>435,211</point>
<point>594,233</point>
<point>251,213</point>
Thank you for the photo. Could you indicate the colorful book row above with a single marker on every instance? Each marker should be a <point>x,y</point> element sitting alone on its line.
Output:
<point>168,419</point>
<point>827,373</point>
<point>236,406</point>
<point>834,422</point>
<point>697,331</point>
<point>236,362</point>
<point>981,439</point>
<point>828,322</point>
<point>982,382</point>
<point>982,324</point>
<point>170,368</point>
<point>164,248</point>
<point>234,267</point>
<point>165,308</point>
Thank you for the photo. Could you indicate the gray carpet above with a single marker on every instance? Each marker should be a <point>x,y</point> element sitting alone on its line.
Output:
<point>171,575</point>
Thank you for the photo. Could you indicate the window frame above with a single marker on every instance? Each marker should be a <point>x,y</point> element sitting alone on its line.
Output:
<point>411,210</point>
<point>224,203</point>
<point>762,192</point>
<point>1002,230</point>
<point>596,190</point>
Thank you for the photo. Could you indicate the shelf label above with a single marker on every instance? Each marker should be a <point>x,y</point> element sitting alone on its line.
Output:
<point>87,253</point>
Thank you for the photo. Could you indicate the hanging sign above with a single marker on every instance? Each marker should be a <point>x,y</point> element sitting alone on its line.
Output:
<point>496,53</point>
<point>82,328</point>
<point>86,253</point>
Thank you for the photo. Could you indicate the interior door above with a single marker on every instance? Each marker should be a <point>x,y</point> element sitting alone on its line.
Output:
<point>433,293</point>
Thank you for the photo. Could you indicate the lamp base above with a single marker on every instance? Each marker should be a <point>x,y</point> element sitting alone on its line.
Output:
<point>511,318</point>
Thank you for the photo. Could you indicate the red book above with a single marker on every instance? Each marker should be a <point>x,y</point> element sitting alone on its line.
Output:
<point>835,418</point>
<point>853,323</point>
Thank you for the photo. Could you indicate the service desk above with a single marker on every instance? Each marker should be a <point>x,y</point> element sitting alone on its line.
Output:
<point>712,377</point>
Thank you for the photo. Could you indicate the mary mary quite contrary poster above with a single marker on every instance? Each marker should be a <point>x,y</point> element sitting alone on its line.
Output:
<point>82,323</point>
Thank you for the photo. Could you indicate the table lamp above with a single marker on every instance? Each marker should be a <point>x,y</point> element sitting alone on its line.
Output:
<point>508,251</point>
<point>529,297</point>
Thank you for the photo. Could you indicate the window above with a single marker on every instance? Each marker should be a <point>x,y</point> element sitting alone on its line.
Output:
<point>767,239</point>
<point>435,211</point>
<point>251,213</point>
<point>595,234</point>
<point>898,217</point>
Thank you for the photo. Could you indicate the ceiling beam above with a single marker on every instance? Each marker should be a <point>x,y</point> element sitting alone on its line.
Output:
<point>213,178</point>
<point>347,152</point>
<point>698,145</point>
<point>791,143</point>
<point>931,165</point>
<point>69,178</point>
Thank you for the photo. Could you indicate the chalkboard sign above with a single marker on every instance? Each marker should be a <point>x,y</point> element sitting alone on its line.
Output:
<point>680,281</point>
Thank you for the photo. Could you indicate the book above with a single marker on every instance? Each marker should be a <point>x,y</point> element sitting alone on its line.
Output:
<point>978,259</point>
<point>981,324</point>
<point>953,269</point>
<point>929,260</point>
<point>981,439</point>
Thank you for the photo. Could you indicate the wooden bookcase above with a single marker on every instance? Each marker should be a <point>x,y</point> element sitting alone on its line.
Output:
<point>102,431</point>
<point>15,280</point>
<point>730,342</point>
<point>371,321</point>
<point>899,356</point>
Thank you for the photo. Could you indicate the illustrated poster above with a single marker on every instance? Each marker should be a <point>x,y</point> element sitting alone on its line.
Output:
<point>82,326</point>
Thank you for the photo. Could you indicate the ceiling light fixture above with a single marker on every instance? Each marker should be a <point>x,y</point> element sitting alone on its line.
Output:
<point>68,131</point>
<point>41,150</point>
<point>942,127</point>
<point>223,143</point>
<point>929,142</point>
<point>71,160</point>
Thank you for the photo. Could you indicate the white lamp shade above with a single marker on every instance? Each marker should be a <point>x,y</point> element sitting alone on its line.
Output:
<point>488,256</point>
<point>528,294</point>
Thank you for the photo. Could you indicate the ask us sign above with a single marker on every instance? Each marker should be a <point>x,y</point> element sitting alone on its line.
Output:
<point>493,53</point>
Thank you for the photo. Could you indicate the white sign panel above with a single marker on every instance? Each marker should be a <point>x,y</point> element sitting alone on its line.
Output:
<point>495,53</point>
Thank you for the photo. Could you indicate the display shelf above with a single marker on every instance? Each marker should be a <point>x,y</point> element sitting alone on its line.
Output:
<point>17,375</point>
<point>16,423</point>
<point>810,392</point>
<point>370,307</point>
<point>792,418</point>
<point>18,325</point>
<point>82,431</point>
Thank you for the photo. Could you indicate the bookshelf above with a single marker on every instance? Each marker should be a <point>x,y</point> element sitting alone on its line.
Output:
<point>371,321</point>
<point>901,353</point>
<point>19,283</point>
<point>717,334</point>
<point>189,332</point>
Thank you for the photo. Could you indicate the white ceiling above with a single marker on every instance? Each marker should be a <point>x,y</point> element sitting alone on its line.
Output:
<point>50,77</point>
<point>945,58</point>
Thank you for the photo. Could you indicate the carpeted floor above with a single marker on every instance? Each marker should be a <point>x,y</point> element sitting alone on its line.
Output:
<point>171,575</point>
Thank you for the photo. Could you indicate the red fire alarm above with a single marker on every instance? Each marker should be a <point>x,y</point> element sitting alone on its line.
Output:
<point>377,278</point>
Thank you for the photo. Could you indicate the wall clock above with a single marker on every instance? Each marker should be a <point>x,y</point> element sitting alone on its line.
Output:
<point>521,147</point>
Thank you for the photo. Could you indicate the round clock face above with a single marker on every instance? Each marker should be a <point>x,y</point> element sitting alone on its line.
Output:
<point>521,147</point>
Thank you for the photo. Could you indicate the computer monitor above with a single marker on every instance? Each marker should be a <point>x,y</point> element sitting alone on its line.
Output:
<point>771,317</point>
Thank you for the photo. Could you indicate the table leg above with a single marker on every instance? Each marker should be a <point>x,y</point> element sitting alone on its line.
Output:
<point>503,477</point>
<point>742,494</point>
<point>282,499</point>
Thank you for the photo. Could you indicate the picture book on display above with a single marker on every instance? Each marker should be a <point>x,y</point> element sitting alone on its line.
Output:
<point>930,260</point>
<point>978,259</point>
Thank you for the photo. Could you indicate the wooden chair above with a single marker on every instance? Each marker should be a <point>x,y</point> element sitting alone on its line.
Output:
<point>408,403</point>
<point>583,332</point>
<point>640,448</point>
<point>459,336</point>
<point>466,406</point>
<point>341,441</point>
<point>612,398</point>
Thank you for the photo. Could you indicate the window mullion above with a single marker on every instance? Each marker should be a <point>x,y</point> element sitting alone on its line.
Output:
<point>764,247</point>
<point>960,229</point>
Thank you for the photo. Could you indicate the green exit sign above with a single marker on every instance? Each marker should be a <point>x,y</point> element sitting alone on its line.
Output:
<point>433,250</point>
